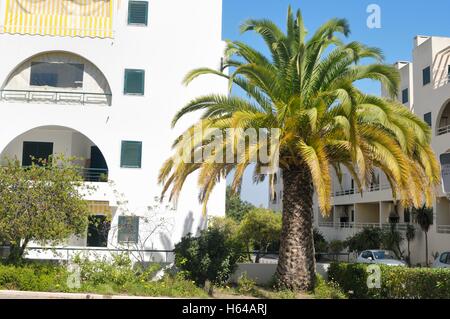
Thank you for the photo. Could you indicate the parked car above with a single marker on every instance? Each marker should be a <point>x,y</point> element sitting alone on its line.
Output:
<point>384,257</point>
<point>443,261</point>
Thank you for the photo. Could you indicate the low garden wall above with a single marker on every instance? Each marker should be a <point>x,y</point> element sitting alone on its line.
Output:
<point>262,274</point>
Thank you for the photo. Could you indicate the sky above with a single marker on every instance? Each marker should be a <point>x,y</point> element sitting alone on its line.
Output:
<point>401,21</point>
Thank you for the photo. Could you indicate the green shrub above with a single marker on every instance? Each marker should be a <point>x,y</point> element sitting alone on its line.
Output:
<point>368,238</point>
<point>33,277</point>
<point>327,290</point>
<point>245,285</point>
<point>396,282</point>
<point>209,257</point>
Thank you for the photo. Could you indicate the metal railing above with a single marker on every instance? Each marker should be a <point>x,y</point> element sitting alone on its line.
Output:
<point>96,175</point>
<point>339,225</point>
<point>369,189</point>
<point>56,97</point>
<point>443,229</point>
<point>443,130</point>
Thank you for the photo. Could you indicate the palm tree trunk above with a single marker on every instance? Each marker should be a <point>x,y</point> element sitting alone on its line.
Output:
<point>296,264</point>
<point>426,249</point>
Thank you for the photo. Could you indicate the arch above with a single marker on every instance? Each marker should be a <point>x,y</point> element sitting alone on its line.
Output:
<point>55,139</point>
<point>62,67</point>
<point>443,119</point>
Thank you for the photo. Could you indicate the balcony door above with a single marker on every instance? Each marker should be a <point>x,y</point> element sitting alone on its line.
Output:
<point>36,150</point>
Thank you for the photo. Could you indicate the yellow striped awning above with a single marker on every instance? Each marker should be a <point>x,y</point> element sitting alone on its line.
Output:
<point>82,18</point>
<point>99,208</point>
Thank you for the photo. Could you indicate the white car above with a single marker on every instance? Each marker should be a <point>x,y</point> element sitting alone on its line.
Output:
<point>384,257</point>
<point>443,261</point>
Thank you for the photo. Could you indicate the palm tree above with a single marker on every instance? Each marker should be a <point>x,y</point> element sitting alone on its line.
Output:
<point>306,89</point>
<point>424,217</point>
<point>410,235</point>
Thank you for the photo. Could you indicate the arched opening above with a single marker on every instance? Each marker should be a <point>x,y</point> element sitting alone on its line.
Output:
<point>57,77</point>
<point>44,141</point>
<point>443,123</point>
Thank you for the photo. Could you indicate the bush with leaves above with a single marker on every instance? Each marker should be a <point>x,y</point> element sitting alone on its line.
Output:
<point>235,207</point>
<point>320,243</point>
<point>42,203</point>
<point>260,230</point>
<point>210,257</point>
<point>367,238</point>
<point>396,283</point>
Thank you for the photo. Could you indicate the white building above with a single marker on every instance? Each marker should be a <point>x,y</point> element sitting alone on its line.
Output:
<point>101,80</point>
<point>425,89</point>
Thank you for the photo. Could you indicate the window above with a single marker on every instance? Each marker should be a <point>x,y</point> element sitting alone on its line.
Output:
<point>128,230</point>
<point>405,96</point>
<point>448,73</point>
<point>58,75</point>
<point>445,258</point>
<point>131,154</point>
<point>36,152</point>
<point>427,118</point>
<point>134,82</point>
<point>426,75</point>
<point>138,12</point>
<point>98,230</point>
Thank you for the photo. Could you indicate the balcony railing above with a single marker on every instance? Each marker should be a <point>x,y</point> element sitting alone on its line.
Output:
<point>56,97</point>
<point>371,188</point>
<point>338,225</point>
<point>95,175</point>
<point>443,229</point>
<point>443,130</point>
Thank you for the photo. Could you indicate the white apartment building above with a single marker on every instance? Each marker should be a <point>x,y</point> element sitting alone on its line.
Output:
<point>101,80</point>
<point>425,89</point>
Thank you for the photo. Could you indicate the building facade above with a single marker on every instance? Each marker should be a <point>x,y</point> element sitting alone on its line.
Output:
<point>425,90</point>
<point>101,80</point>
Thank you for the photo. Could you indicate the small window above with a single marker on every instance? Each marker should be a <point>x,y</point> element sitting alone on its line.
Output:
<point>426,76</point>
<point>134,82</point>
<point>405,96</point>
<point>128,230</point>
<point>138,13</point>
<point>427,118</point>
<point>58,75</point>
<point>131,154</point>
<point>448,73</point>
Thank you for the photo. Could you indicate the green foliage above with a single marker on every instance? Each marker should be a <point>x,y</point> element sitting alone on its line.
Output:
<point>261,230</point>
<point>424,217</point>
<point>235,207</point>
<point>396,282</point>
<point>336,246</point>
<point>33,277</point>
<point>245,285</point>
<point>368,238</point>
<point>327,290</point>
<point>392,240</point>
<point>210,257</point>
<point>320,244</point>
<point>43,203</point>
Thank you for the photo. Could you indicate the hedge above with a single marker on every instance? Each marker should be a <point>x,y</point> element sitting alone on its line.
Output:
<point>396,282</point>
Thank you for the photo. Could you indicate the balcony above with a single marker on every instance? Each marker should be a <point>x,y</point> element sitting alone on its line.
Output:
<point>443,229</point>
<point>369,189</point>
<point>57,78</point>
<point>56,97</point>
<point>43,142</point>
<point>399,226</point>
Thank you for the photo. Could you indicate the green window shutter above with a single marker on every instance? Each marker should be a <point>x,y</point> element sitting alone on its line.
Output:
<point>138,12</point>
<point>405,96</point>
<point>134,82</point>
<point>131,154</point>
<point>128,229</point>
<point>426,73</point>
<point>428,119</point>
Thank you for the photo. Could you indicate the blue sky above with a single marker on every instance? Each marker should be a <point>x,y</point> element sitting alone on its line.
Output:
<point>401,21</point>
